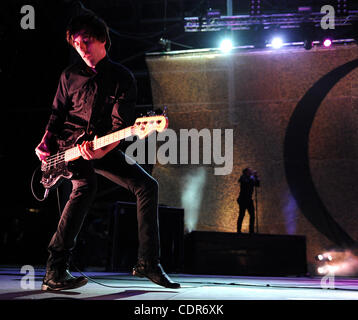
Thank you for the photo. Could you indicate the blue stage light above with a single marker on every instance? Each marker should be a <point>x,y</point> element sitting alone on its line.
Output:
<point>226,45</point>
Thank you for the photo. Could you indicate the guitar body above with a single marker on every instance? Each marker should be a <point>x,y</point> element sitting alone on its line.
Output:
<point>57,170</point>
<point>52,178</point>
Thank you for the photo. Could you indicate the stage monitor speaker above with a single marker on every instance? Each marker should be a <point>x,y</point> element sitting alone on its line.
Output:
<point>225,253</point>
<point>125,237</point>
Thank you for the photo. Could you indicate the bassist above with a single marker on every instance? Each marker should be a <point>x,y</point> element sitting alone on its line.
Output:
<point>97,96</point>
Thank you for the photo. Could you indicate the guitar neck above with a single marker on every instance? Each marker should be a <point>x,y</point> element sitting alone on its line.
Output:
<point>112,138</point>
<point>74,153</point>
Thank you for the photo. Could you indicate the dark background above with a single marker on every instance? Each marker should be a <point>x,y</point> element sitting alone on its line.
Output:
<point>30,65</point>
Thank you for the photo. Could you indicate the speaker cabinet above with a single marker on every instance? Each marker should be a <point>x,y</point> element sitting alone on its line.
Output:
<point>125,237</point>
<point>222,253</point>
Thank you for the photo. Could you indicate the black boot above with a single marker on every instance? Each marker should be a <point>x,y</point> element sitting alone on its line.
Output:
<point>57,280</point>
<point>154,272</point>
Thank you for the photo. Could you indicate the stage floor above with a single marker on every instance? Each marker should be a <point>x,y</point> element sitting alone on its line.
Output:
<point>123,286</point>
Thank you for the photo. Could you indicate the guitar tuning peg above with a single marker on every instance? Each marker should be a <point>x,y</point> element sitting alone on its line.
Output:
<point>151,113</point>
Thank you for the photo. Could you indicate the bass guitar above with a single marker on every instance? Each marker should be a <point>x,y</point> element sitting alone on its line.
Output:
<point>56,167</point>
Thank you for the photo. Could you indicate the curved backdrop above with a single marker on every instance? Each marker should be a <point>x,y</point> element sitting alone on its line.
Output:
<point>293,115</point>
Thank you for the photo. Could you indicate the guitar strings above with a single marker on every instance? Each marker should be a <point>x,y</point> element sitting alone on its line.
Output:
<point>58,158</point>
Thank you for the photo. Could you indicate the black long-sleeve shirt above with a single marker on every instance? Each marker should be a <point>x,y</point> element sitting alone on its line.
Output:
<point>247,184</point>
<point>98,102</point>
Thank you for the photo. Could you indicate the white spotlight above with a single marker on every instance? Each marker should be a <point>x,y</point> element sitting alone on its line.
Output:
<point>226,45</point>
<point>277,42</point>
<point>321,270</point>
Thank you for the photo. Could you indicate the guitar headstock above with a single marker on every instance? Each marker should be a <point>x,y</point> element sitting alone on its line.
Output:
<point>144,126</point>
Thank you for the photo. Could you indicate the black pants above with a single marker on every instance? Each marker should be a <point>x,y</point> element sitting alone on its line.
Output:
<point>84,186</point>
<point>246,204</point>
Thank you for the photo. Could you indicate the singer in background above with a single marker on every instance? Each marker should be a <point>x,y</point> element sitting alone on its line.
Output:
<point>248,181</point>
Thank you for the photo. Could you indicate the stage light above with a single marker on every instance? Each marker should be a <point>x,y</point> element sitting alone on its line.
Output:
<point>258,36</point>
<point>321,270</point>
<point>277,42</point>
<point>307,30</point>
<point>324,257</point>
<point>226,45</point>
<point>327,42</point>
<point>165,44</point>
<point>320,257</point>
<point>307,44</point>
<point>255,7</point>
<point>333,269</point>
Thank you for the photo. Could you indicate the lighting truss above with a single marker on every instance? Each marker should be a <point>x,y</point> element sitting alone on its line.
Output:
<point>245,22</point>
